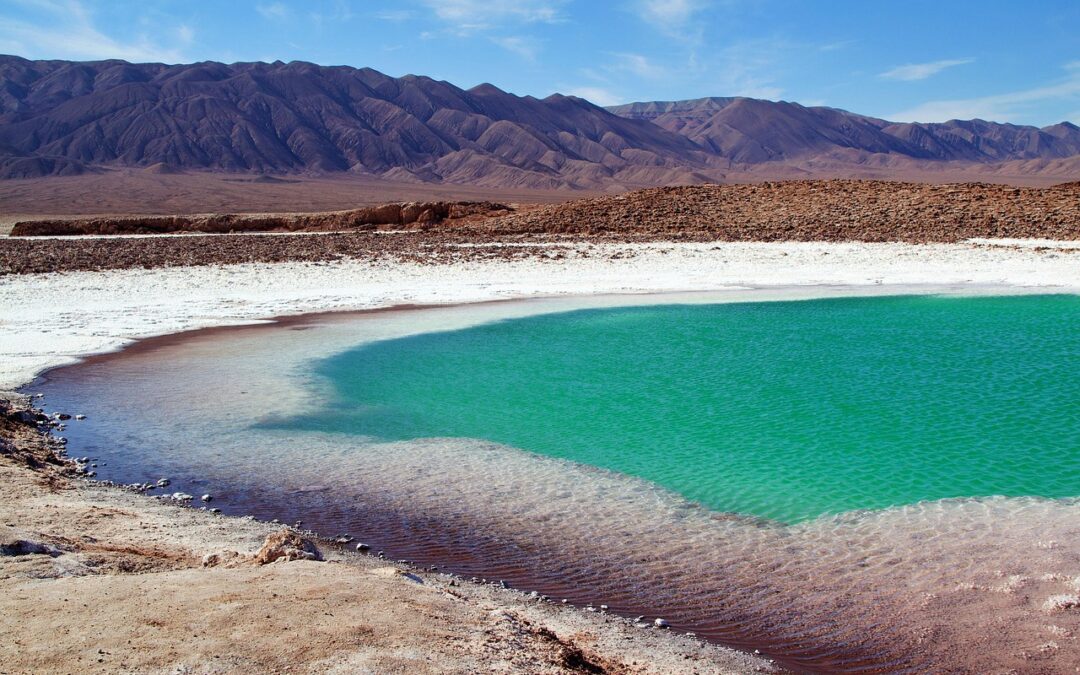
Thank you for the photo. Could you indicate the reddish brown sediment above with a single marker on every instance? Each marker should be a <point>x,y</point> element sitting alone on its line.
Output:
<point>830,211</point>
<point>409,214</point>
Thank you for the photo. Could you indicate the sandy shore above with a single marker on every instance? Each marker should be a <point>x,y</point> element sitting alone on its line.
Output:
<point>73,596</point>
<point>97,579</point>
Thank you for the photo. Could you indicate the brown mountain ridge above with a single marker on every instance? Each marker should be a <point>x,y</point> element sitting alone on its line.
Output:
<point>67,118</point>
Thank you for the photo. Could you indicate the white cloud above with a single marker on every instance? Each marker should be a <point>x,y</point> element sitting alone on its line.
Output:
<point>749,68</point>
<point>185,34</point>
<point>673,17</point>
<point>670,12</point>
<point>468,16</point>
<point>920,71</point>
<point>638,65</point>
<point>394,15</point>
<point>1006,107</point>
<point>601,97</point>
<point>274,11</point>
<point>67,31</point>
<point>836,46</point>
<point>526,48</point>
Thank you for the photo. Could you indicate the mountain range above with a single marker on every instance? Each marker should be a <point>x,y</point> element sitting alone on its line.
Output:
<point>64,118</point>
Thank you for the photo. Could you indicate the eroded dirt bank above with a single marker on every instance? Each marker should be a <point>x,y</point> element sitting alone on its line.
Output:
<point>794,211</point>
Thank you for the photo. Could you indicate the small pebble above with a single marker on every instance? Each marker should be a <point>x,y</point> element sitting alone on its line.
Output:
<point>661,623</point>
<point>206,498</point>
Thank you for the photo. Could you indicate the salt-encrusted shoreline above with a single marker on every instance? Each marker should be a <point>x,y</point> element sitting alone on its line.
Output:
<point>51,319</point>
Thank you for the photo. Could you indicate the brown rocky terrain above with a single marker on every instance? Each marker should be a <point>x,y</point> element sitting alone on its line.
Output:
<point>95,578</point>
<point>833,210</point>
<point>867,211</point>
<point>409,214</point>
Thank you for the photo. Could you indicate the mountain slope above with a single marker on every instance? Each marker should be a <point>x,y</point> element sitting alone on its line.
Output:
<point>753,131</point>
<point>61,117</point>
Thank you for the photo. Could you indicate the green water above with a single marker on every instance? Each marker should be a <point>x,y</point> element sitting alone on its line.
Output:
<point>786,410</point>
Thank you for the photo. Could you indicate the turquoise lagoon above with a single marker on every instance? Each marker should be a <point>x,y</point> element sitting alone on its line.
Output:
<point>784,410</point>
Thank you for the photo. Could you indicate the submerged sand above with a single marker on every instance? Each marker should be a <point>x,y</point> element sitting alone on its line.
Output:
<point>97,579</point>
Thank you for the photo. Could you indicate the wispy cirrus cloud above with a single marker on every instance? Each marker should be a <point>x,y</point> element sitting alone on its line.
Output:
<point>637,64</point>
<point>912,72</point>
<point>672,17</point>
<point>750,68</point>
<point>1007,107</point>
<point>275,11</point>
<point>670,12</point>
<point>185,34</point>
<point>66,29</point>
<point>469,16</point>
<point>395,15</point>
<point>526,48</point>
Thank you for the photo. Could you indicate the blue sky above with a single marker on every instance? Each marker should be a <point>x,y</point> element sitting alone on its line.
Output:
<point>911,60</point>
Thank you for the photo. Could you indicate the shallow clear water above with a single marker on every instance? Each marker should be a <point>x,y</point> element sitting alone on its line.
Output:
<point>786,410</point>
<point>275,422</point>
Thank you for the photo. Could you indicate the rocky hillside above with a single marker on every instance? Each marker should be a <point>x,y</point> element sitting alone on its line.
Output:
<point>753,131</point>
<point>64,118</point>
<point>61,117</point>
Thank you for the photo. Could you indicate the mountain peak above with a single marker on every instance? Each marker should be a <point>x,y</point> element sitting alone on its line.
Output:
<point>486,89</point>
